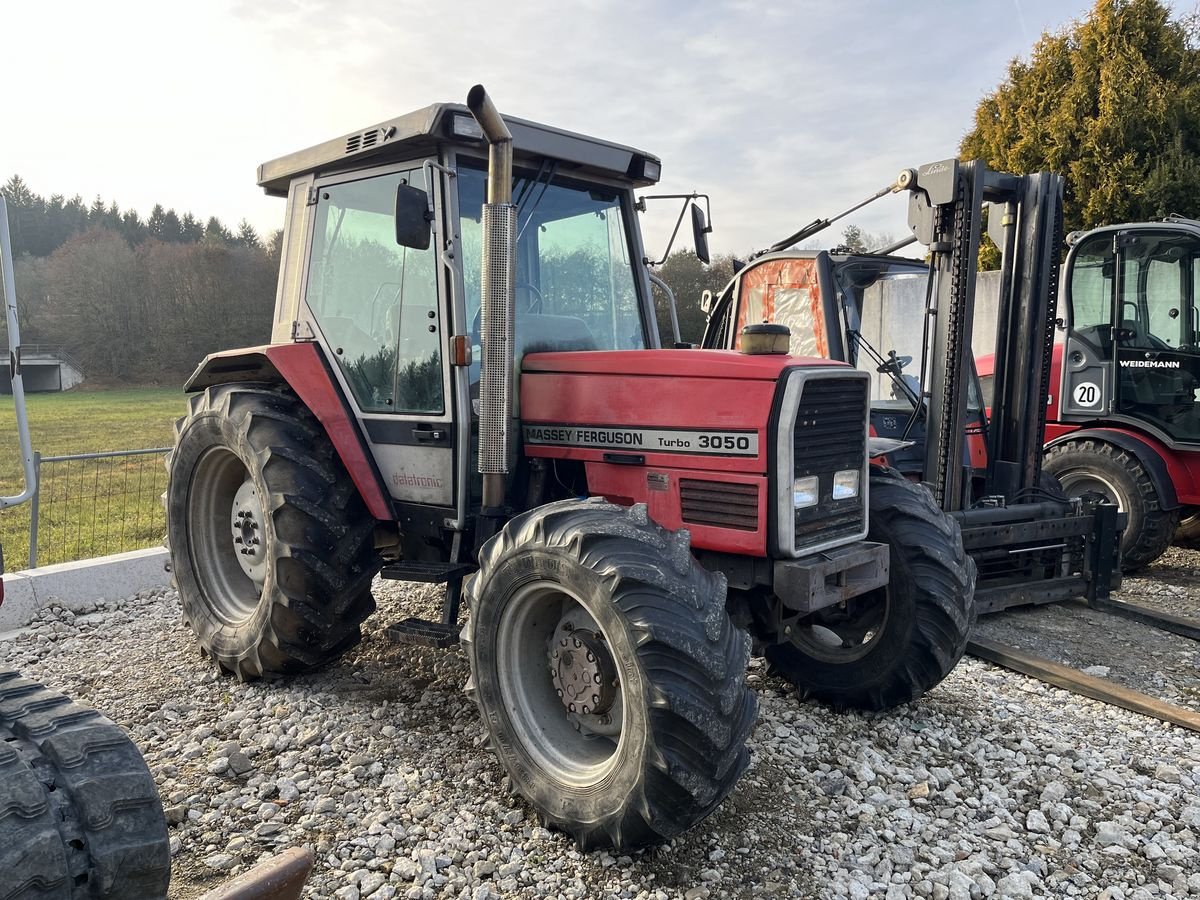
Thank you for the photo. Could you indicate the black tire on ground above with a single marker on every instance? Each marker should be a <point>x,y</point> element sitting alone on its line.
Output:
<point>893,644</point>
<point>1090,465</point>
<point>663,666</point>
<point>272,548</point>
<point>80,816</point>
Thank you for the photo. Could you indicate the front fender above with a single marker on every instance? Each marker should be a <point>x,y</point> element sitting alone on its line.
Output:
<point>302,367</point>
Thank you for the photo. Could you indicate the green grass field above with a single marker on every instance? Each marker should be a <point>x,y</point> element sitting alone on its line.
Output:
<point>88,508</point>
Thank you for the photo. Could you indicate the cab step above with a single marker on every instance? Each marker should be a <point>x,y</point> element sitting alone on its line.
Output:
<point>423,632</point>
<point>428,572</point>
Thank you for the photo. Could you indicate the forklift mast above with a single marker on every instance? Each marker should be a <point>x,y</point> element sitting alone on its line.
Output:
<point>1025,222</point>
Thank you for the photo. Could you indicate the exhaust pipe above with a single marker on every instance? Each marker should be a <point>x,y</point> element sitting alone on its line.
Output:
<point>498,297</point>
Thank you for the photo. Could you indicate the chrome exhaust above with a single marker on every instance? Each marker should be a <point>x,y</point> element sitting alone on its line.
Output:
<point>498,298</point>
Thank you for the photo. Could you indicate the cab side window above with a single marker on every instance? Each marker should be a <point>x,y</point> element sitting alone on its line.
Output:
<point>375,301</point>
<point>1093,281</point>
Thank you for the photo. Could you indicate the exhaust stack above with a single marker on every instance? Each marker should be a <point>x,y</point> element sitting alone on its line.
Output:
<point>498,297</point>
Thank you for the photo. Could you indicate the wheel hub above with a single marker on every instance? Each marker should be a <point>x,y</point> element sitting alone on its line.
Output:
<point>582,671</point>
<point>246,526</point>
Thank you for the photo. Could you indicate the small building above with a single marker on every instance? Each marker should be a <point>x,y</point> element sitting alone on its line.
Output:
<point>44,369</point>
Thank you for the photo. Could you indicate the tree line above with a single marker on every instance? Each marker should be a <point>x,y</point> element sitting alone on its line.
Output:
<point>133,300</point>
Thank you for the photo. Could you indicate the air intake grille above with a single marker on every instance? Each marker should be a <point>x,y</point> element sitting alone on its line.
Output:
<point>830,436</point>
<point>357,142</point>
<point>719,503</point>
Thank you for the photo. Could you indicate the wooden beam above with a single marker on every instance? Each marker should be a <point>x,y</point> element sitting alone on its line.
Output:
<point>1184,626</point>
<point>1085,685</point>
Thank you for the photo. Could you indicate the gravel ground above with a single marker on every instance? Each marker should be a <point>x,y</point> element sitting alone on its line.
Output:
<point>1139,656</point>
<point>992,786</point>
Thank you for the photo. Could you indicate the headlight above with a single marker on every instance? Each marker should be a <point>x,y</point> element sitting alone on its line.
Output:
<point>806,491</point>
<point>845,484</point>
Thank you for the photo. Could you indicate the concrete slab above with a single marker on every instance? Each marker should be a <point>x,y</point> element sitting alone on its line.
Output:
<point>75,584</point>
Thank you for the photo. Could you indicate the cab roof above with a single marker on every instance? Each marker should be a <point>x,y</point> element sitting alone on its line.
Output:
<point>424,130</point>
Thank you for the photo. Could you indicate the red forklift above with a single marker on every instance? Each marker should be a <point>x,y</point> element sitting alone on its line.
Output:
<point>907,324</point>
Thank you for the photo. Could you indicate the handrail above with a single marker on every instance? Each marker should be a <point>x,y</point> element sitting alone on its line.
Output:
<point>14,363</point>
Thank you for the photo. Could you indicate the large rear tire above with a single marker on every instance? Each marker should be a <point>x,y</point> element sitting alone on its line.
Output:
<point>609,676</point>
<point>272,549</point>
<point>891,645</point>
<point>1088,465</point>
<point>79,812</point>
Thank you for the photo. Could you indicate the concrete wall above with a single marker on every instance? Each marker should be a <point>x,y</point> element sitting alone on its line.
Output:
<point>80,584</point>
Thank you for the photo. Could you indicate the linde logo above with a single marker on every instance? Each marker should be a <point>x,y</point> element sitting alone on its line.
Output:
<point>936,169</point>
<point>1149,364</point>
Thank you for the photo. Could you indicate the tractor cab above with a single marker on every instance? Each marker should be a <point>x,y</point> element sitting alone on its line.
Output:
<point>865,309</point>
<point>1132,341</point>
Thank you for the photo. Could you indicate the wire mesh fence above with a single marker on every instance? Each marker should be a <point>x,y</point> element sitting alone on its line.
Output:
<point>90,504</point>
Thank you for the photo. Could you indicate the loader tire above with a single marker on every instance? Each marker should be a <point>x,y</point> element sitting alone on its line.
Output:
<point>272,548</point>
<point>595,601</point>
<point>1089,465</point>
<point>1187,533</point>
<point>893,644</point>
<point>80,815</point>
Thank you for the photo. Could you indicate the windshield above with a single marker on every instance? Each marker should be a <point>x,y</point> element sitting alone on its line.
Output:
<point>575,280</point>
<point>888,300</point>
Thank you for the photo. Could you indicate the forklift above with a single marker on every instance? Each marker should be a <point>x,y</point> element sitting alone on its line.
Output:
<point>907,324</point>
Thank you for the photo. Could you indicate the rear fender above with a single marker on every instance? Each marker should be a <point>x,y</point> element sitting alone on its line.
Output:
<point>1149,453</point>
<point>302,368</point>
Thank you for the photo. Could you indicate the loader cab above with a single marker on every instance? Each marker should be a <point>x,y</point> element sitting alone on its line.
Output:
<point>1132,330</point>
<point>398,319</point>
<point>862,309</point>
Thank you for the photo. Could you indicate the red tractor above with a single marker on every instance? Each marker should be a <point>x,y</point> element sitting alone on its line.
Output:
<point>1124,419</point>
<point>465,386</point>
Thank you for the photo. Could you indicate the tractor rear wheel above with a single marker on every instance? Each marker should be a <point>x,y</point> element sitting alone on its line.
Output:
<point>893,644</point>
<point>79,812</point>
<point>610,679</point>
<point>1118,475</point>
<point>272,549</point>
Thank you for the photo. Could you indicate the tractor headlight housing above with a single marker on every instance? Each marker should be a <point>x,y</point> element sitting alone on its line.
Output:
<point>845,484</point>
<point>806,492</point>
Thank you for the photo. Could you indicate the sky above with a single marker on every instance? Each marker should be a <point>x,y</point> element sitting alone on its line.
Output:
<point>782,111</point>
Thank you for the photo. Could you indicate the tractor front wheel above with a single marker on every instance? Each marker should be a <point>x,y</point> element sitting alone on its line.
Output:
<point>272,549</point>
<point>890,645</point>
<point>610,679</point>
<point>1118,475</point>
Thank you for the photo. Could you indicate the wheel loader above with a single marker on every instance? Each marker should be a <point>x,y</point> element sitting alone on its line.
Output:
<point>465,385</point>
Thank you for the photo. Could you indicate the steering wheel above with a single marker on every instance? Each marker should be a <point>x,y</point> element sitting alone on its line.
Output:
<point>536,298</point>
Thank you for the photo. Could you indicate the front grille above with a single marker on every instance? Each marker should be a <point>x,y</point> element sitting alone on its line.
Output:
<point>829,437</point>
<point>720,503</point>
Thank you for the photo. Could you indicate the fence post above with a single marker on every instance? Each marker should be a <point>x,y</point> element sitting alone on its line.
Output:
<point>33,509</point>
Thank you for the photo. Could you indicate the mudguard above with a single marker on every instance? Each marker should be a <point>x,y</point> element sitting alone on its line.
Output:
<point>302,368</point>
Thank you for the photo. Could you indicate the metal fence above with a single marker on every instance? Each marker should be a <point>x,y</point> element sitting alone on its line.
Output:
<point>93,504</point>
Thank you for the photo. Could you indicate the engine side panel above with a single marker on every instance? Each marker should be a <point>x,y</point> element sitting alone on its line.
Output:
<point>694,448</point>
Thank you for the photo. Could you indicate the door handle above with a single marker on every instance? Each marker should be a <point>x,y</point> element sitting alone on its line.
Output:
<point>430,437</point>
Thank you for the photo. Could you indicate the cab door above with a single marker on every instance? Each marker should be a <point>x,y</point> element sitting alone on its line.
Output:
<point>378,310</point>
<point>1132,351</point>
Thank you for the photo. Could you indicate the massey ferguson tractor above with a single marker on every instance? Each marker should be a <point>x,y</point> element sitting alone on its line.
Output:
<point>465,386</point>
<point>907,325</point>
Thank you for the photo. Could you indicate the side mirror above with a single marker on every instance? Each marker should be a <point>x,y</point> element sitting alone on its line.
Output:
<point>700,230</point>
<point>413,217</point>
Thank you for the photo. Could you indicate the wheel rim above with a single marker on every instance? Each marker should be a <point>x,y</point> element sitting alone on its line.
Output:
<point>224,517</point>
<point>844,634</point>
<point>1078,483</point>
<point>547,642</point>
